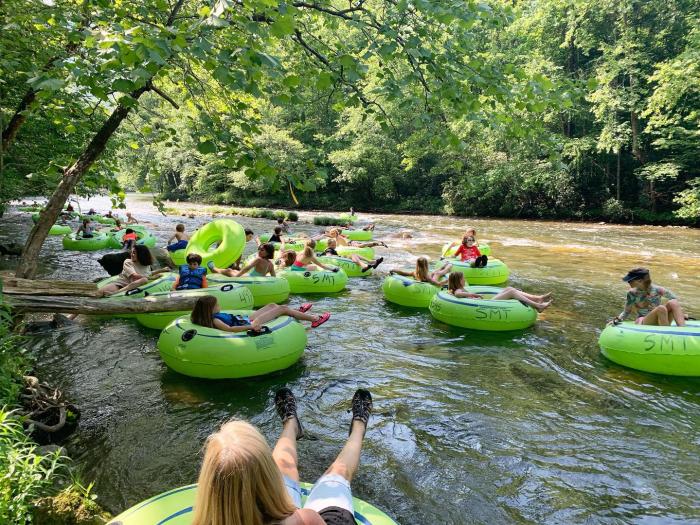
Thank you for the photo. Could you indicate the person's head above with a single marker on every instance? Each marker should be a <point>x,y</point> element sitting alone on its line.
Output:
<point>309,250</point>
<point>86,222</point>
<point>248,234</point>
<point>468,240</point>
<point>289,257</point>
<point>129,230</point>
<point>638,278</point>
<point>332,243</point>
<point>128,214</point>
<point>455,281</point>
<point>180,228</point>
<point>280,220</point>
<point>239,483</point>
<point>142,255</point>
<point>470,232</point>
<point>422,269</point>
<point>311,243</point>
<point>278,230</point>
<point>266,251</point>
<point>334,232</point>
<point>194,260</point>
<point>204,310</point>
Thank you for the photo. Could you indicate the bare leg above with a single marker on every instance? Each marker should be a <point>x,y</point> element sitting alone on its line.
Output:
<point>272,311</point>
<point>441,272</point>
<point>675,309</point>
<point>537,298</point>
<point>657,317</point>
<point>359,261</point>
<point>110,289</point>
<point>349,458</point>
<point>513,293</point>
<point>285,451</point>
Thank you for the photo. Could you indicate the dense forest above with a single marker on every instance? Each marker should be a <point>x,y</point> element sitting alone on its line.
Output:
<point>538,108</point>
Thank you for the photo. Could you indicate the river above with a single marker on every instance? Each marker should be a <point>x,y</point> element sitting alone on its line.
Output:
<point>526,427</point>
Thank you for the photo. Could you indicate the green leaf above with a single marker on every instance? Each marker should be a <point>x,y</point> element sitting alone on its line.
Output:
<point>206,147</point>
<point>283,26</point>
<point>50,84</point>
<point>124,85</point>
<point>324,80</point>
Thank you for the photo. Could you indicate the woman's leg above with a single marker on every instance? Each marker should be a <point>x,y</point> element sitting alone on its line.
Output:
<point>359,261</point>
<point>537,298</point>
<point>285,451</point>
<point>675,310</point>
<point>657,317</point>
<point>130,286</point>
<point>272,311</point>
<point>514,293</point>
<point>444,270</point>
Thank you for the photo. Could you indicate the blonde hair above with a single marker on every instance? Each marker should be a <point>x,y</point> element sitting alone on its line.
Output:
<point>455,282</point>
<point>239,483</point>
<point>422,273</point>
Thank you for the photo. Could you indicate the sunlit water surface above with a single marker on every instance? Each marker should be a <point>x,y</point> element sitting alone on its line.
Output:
<point>527,427</point>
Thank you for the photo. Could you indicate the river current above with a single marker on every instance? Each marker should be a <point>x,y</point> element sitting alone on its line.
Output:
<point>469,427</point>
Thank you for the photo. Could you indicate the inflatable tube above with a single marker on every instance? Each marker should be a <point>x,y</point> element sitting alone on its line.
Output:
<point>179,257</point>
<point>143,236</point>
<point>230,296</point>
<point>350,267</point>
<point>196,351</point>
<point>358,235</point>
<point>98,241</point>
<point>495,272</point>
<point>367,253</point>
<point>265,290</point>
<point>229,237</point>
<point>295,243</point>
<point>60,229</point>
<point>482,314</point>
<point>406,291</point>
<point>315,282</point>
<point>484,248</point>
<point>162,284</point>
<point>670,350</point>
<point>175,508</point>
<point>30,209</point>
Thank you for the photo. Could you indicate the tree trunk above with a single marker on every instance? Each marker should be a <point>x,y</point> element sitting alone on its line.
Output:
<point>90,306</point>
<point>10,132</point>
<point>71,177</point>
<point>617,175</point>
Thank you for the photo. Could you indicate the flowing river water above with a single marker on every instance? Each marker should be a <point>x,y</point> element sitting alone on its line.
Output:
<point>469,427</point>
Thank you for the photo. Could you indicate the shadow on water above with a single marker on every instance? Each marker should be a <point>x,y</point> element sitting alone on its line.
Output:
<point>469,427</point>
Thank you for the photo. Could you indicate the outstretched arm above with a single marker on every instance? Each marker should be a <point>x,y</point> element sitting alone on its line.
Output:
<point>220,325</point>
<point>401,272</point>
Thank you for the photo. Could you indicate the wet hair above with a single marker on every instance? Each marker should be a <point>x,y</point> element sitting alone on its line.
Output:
<point>203,311</point>
<point>455,281</point>
<point>248,231</point>
<point>129,230</point>
<point>289,257</point>
<point>278,230</point>
<point>194,258</point>
<point>280,220</point>
<point>143,255</point>
<point>239,482</point>
<point>422,273</point>
<point>269,250</point>
<point>180,228</point>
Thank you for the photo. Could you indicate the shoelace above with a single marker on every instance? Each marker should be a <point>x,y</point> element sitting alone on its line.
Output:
<point>361,409</point>
<point>286,407</point>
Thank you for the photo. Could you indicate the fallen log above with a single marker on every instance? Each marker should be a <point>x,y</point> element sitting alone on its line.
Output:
<point>12,285</point>
<point>88,306</point>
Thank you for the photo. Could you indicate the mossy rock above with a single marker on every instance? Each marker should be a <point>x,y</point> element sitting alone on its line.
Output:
<point>69,507</point>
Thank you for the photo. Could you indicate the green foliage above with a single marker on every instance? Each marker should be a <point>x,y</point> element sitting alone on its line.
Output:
<point>27,475</point>
<point>323,220</point>
<point>689,199</point>
<point>14,361</point>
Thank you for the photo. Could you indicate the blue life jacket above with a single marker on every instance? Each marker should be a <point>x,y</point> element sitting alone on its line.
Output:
<point>232,320</point>
<point>191,279</point>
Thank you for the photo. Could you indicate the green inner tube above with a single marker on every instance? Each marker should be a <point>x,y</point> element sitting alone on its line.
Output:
<point>495,272</point>
<point>229,296</point>
<point>406,291</point>
<point>60,229</point>
<point>175,508</point>
<point>265,290</point>
<point>367,253</point>
<point>484,248</point>
<point>99,241</point>
<point>670,350</point>
<point>358,235</point>
<point>209,353</point>
<point>229,238</point>
<point>315,282</point>
<point>143,236</point>
<point>350,267</point>
<point>482,314</point>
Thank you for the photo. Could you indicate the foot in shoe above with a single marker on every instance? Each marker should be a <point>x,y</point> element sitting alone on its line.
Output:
<point>379,261</point>
<point>361,407</point>
<point>286,405</point>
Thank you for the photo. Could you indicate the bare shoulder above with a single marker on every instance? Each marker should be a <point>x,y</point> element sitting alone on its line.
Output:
<point>304,517</point>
